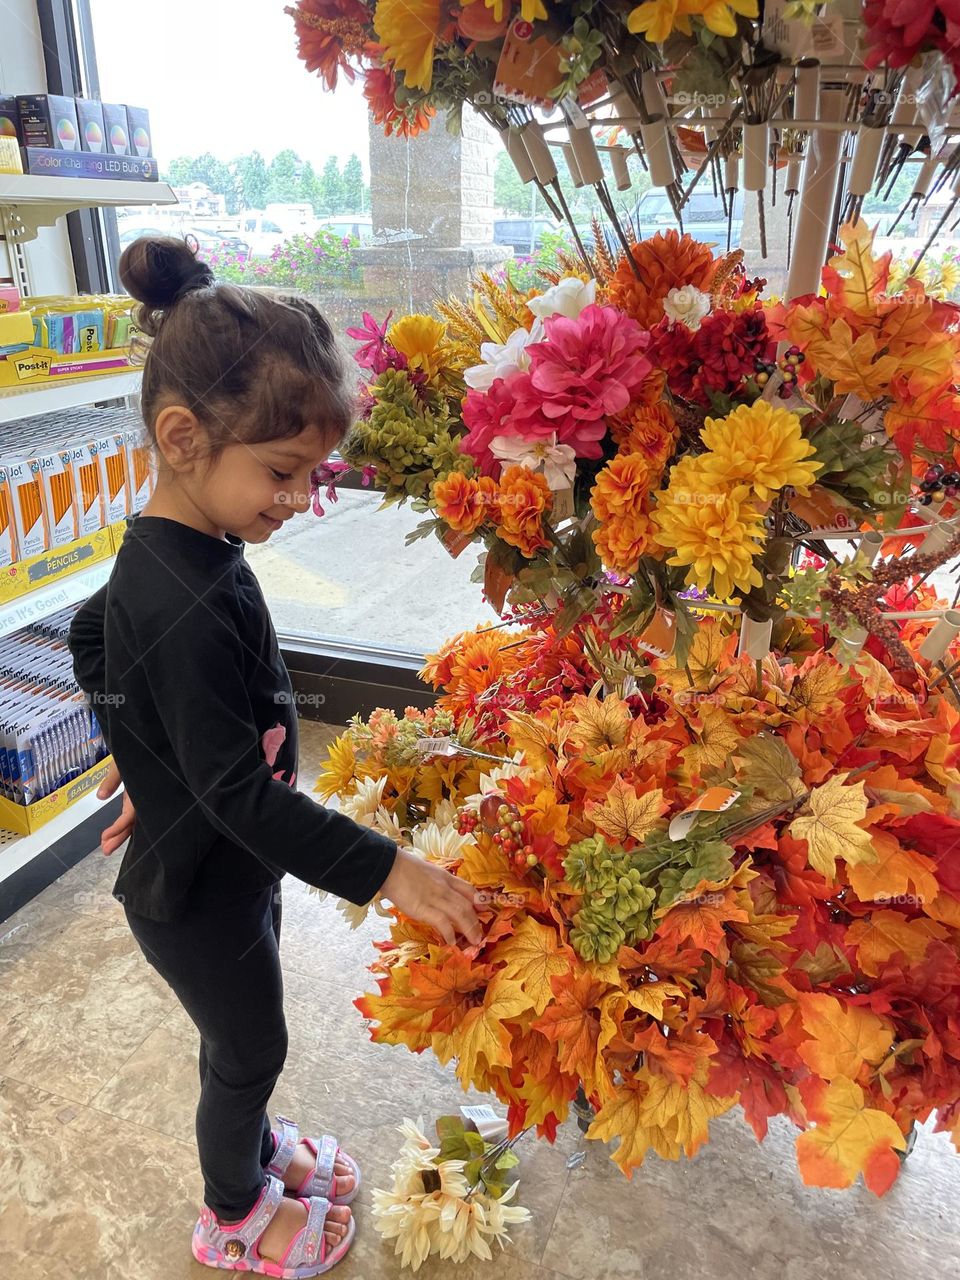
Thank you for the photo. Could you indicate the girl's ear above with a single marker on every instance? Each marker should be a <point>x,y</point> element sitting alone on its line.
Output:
<point>181,439</point>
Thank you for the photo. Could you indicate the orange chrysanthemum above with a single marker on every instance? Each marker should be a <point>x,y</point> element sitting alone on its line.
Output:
<point>621,486</point>
<point>329,33</point>
<point>666,261</point>
<point>646,429</point>
<point>406,121</point>
<point>622,540</point>
<point>524,499</point>
<point>458,502</point>
<point>477,662</point>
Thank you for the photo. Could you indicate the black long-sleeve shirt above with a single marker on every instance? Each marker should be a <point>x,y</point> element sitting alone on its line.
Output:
<point>180,660</point>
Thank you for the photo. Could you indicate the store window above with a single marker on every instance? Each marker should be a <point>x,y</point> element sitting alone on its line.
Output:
<point>273,179</point>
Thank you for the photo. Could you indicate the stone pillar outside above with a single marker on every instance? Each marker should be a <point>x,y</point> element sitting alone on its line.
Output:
<point>432,208</point>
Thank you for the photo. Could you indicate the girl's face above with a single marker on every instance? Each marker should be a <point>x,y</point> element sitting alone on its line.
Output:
<point>252,489</point>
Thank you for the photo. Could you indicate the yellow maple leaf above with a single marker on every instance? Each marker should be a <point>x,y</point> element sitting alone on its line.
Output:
<point>482,1039</point>
<point>717,737</point>
<point>708,662</point>
<point>883,933</point>
<point>844,1037</point>
<point>849,1139</point>
<point>622,1117</point>
<point>830,829</point>
<point>814,692</point>
<point>483,864</point>
<point>859,277</point>
<point>623,815</point>
<point>853,365</point>
<point>598,725</point>
<point>533,736</point>
<point>531,956</point>
<point>770,767</point>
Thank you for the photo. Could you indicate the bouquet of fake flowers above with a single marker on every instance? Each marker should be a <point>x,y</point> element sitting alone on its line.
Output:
<point>451,1200</point>
<point>720,883</point>
<point>636,431</point>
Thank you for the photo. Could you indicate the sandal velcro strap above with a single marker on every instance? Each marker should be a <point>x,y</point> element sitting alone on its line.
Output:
<point>311,1244</point>
<point>323,1184</point>
<point>288,1139</point>
<point>235,1242</point>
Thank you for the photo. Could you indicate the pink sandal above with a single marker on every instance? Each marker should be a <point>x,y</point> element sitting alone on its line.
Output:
<point>236,1248</point>
<point>320,1180</point>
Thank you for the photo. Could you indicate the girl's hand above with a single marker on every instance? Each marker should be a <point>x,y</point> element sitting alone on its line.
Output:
<point>112,837</point>
<point>433,896</point>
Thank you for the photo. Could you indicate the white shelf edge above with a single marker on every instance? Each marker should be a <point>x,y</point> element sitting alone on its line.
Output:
<point>17,853</point>
<point>28,401</point>
<point>22,190</point>
<point>72,588</point>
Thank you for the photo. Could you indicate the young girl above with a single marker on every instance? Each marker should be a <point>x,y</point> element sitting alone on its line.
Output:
<point>244,393</point>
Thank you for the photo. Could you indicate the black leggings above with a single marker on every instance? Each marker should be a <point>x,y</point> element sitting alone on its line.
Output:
<point>222,960</point>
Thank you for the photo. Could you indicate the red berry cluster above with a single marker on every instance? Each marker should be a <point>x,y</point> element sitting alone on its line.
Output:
<point>467,821</point>
<point>938,484</point>
<point>510,837</point>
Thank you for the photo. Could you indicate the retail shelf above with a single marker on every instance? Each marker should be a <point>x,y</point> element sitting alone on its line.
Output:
<point>31,202</point>
<point>26,402</point>
<point>16,851</point>
<point>70,589</point>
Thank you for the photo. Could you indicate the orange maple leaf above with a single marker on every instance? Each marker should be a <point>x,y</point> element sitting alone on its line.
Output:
<point>855,364</point>
<point>531,957</point>
<point>572,1021</point>
<point>850,1138</point>
<point>624,816</point>
<point>896,872</point>
<point>883,933</point>
<point>856,278</point>
<point>843,1037</point>
<point>700,922</point>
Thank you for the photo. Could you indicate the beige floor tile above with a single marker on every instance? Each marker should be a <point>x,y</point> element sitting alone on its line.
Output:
<point>98,1171</point>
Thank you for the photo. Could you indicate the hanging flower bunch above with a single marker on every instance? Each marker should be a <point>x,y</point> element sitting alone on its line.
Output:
<point>720,882</point>
<point>637,424</point>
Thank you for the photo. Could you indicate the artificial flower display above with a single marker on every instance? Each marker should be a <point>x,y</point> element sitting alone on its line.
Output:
<point>594,428</point>
<point>711,875</point>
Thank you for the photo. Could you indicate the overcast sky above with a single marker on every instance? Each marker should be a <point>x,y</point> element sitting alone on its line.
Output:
<point>223,76</point>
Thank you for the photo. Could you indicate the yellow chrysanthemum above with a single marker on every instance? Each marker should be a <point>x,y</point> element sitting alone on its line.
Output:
<point>656,19</point>
<point>717,534</point>
<point>760,446</point>
<point>339,768</point>
<point>407,31</point>
<point>720,15</point>
<point>418,337</point>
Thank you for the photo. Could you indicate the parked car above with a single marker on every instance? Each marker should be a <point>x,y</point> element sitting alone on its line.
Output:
<point>703,216</point>
<point>523,235</point>
<point>263,234</point>
<point>359,226</point>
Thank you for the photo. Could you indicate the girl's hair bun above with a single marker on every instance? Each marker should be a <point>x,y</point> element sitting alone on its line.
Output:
<point>158,271</point>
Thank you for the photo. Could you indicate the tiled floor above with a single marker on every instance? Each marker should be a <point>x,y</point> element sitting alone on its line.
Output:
<point>98,1177</point>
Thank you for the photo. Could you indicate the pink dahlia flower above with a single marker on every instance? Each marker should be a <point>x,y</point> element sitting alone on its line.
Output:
<point>509,407</point>
<point>587,370</point>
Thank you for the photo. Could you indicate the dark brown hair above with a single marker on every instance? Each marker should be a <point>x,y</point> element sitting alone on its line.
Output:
<point>252,364</point>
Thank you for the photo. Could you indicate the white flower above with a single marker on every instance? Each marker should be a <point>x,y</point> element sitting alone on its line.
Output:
<point>445,811</point>
<point>568,298</point>
<point>686,306</point>
<point>362,806</point>
<point>502,359</point>
<point>491,779</point>
<point>354,915</point>
<point>388,823</point>
<point>559,461</point>
<point>439,843</point>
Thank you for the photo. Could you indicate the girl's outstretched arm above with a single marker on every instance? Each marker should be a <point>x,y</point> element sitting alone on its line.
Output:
<point>194,670</point>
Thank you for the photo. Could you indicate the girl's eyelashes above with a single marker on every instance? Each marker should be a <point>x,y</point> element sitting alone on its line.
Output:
<point>279,475</point>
